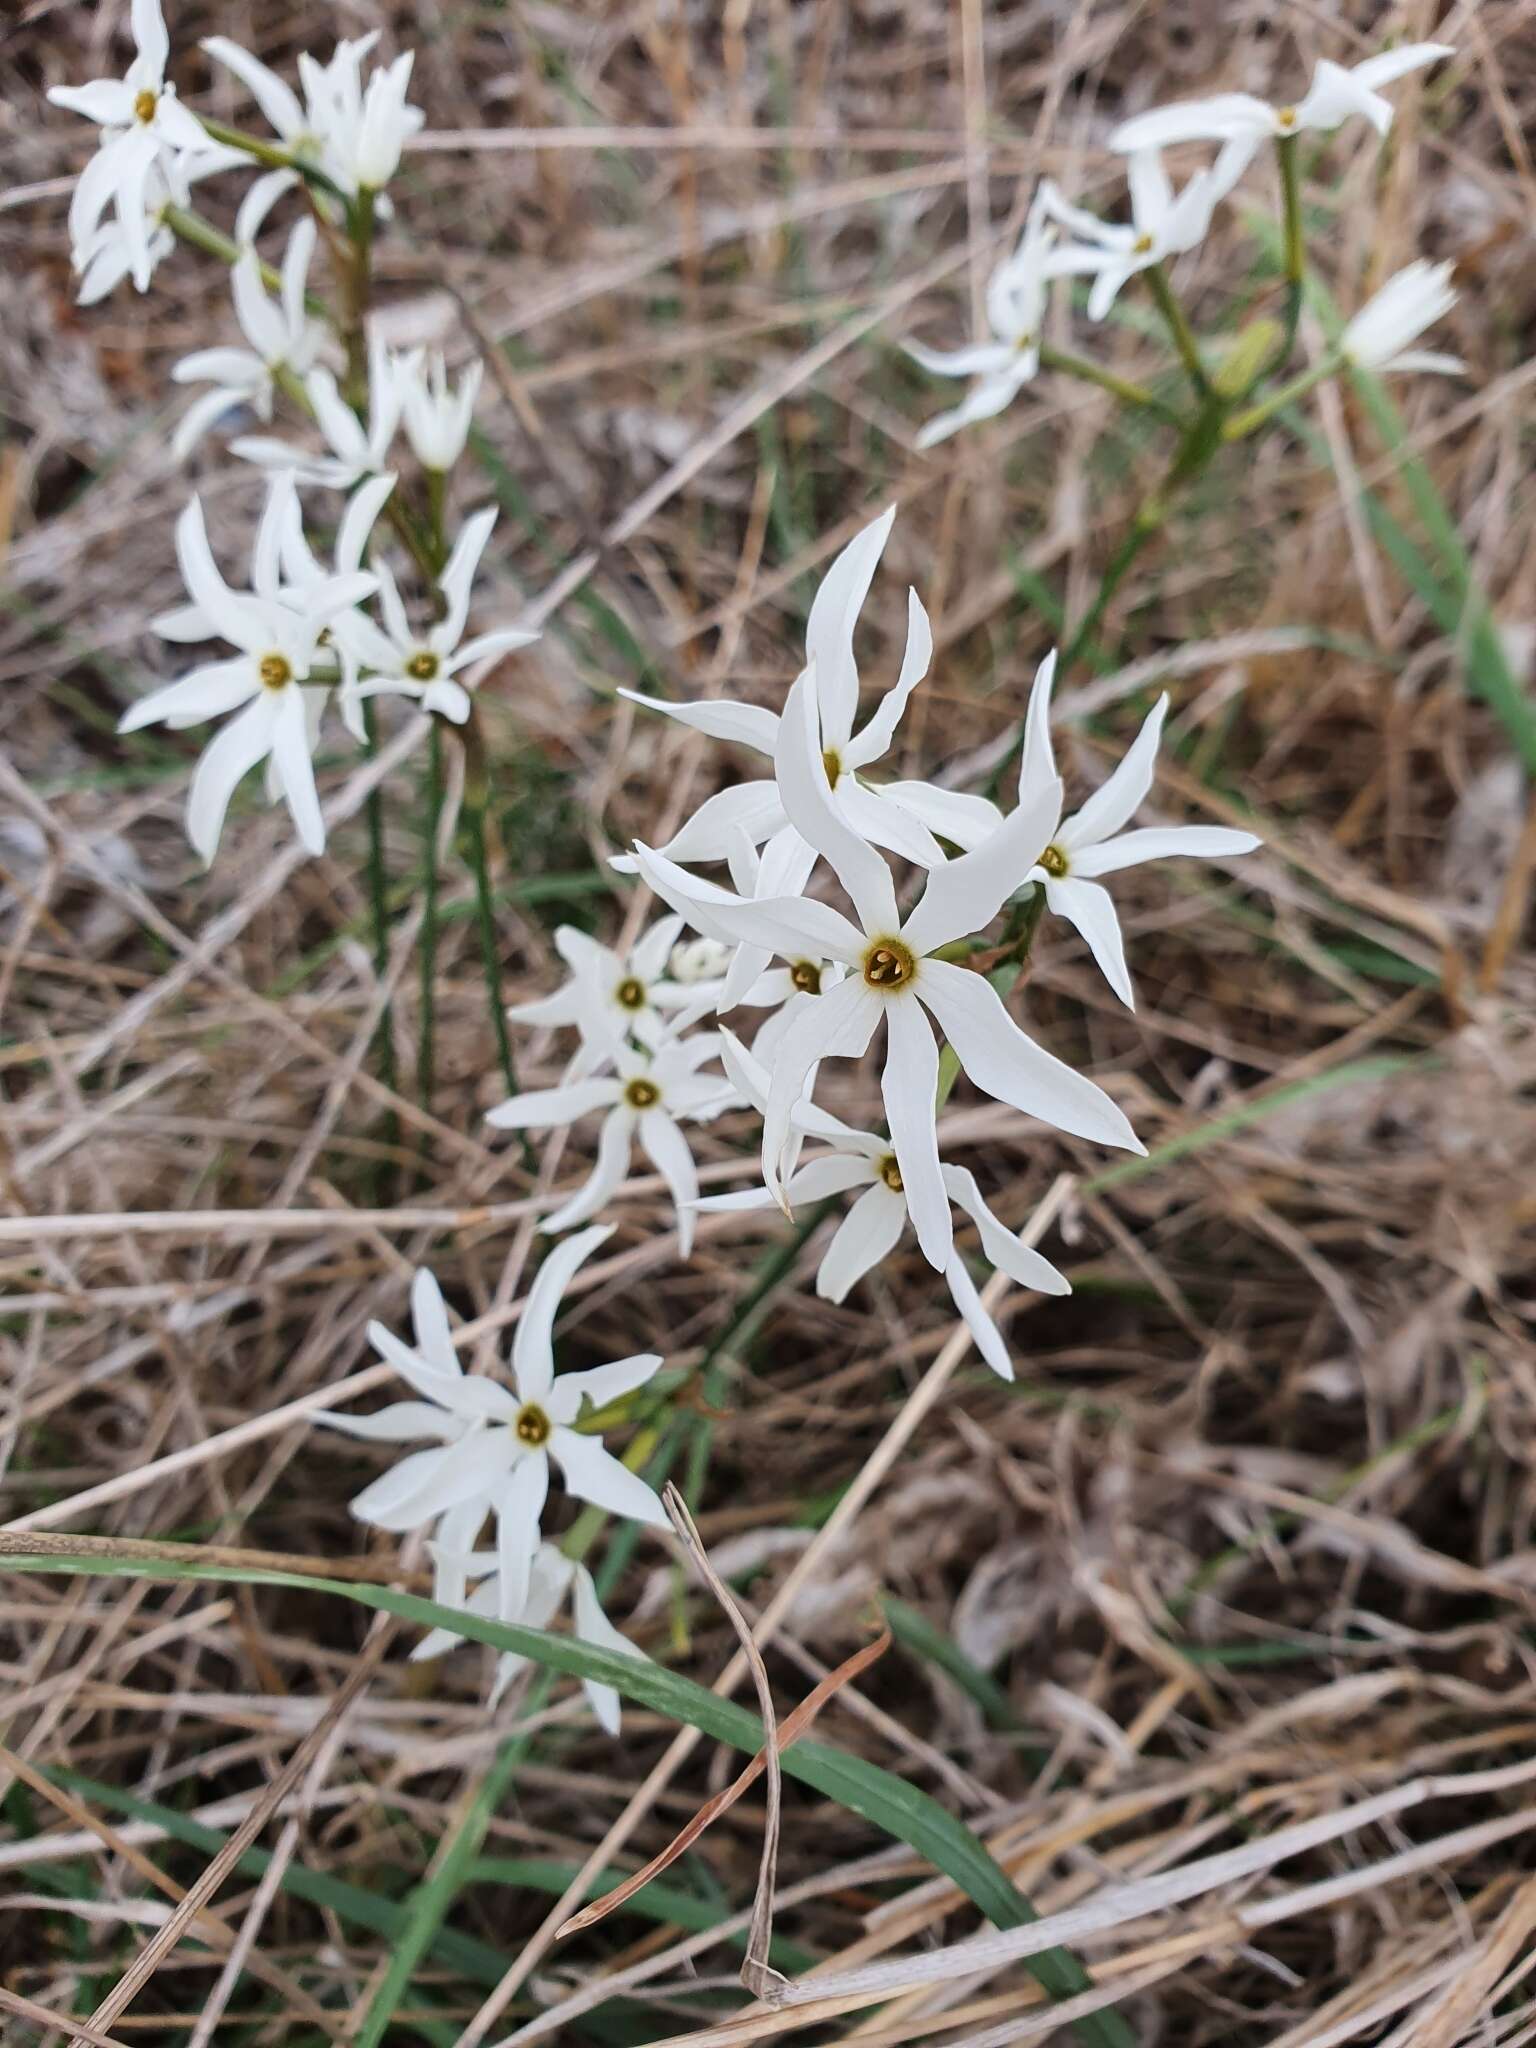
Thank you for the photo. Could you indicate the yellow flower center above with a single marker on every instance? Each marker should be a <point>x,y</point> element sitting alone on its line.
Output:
<point>832,761</point>
<point>1054,861</point>
<point>274,670</point>
<point>805,976</point>
<point>889,964</point>
<point>1142,246</point>
<point>1024,341</point>
<point>641,1094</point>
<point>423,667</point>
<point>144,106</point>
<point>890,1173</point>
<point>531,1426</point>
<point>630,995</point>
<point>1285,117</point>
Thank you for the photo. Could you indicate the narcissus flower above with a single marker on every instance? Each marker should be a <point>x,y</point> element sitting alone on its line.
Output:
<point>280,338</point>
<point>494,1442</point>
<point>612,997</point>
<point>646,1100</point>
<point>869,1232</point>
<point>142,124</point>
<point>551,1577</point>
<point>894,976</point>
<point>1018,293</point>
<point>357,448</point>
<point>756,808</point>
<point>1334,95</point>
<point>1378,337</point>
<point>279,635</point>
<point>353,133</point>
<point>423,665</point>
<point>1163,223</point>
<point>437,417</point>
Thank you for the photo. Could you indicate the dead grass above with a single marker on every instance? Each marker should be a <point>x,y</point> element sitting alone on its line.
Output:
<point>1251,1540</point>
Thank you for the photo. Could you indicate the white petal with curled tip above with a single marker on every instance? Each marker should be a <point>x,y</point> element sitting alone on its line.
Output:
<point>751,808</point>
<point>1005,1062</point>
<point>834,1174</point>
<point>458,578</point>
<point>1162,842</point>
<point>983,402</point>
<point>864,1237</point>
<point>260,321</point>
<point>908,1086</point>
<point>829,629</point>
<point>275,98</point>
<point>1109,283</point>
<point>106,101</point>
<point>953,814</point>
<point>400,1423</point>
<point>651,952</point>
<point>1089,907</point>
<point>875,736</point>
<point>667,1149</point>
<point>837,1025</point>
<point>809,806</point>
<point>1391,65</point>
<point>149,35</point>
<point>596,1475</point>
<point>500,640</point>
<point>208,692</point>
<point>294,763</point>
<point>983,359</point>
<point>237,618</point>
<point>593,1626</point>
<point>965,894</point>
<point>601,1384</point>
<point>1215,119</point>
<point>1427,359</point>
<point>438,1642</point>
<point>235,368</point>
<point>887,825</point>
<point>606,1177</point>
<point>793,926</point>
<point>744,725</point>
<point>533,1358</point>
<point>540,1108</point>
<point>429,1319</point>
<point>999,1245</point>
<point>229,756</point>
<point>359,520</point>
<point>259,202</point>
<point>1117,800</point>
<point>519,1503</point>
<point>989,1340</point>
<point>428,1482</point>
<point>1037,761</point>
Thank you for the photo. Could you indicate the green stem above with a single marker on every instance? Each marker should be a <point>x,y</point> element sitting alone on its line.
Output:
<point>1242,424</point>
<point>1295,243</point>
<point>359,291</point>
<point>272,154</point>
<point>378,901</point>
<point>1123,388</point>
<point>426,1047</point>
<point>1178,326</point>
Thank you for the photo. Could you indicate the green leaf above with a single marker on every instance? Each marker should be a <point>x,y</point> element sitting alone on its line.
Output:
<point>878,1796</point>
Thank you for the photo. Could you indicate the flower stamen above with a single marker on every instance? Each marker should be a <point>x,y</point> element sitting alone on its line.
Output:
<point>832,761</point>
<point>805,977</point>
<point>630,994</point>
<point>531,1426</point>
<point>144,105</point>
<point>1142,246</point>
<point>889,964</point>
<point>423,667</point>
<point>890,1173</point>
<point>641,1094</point>
<point>1054,861</point>
<point>275,670</point>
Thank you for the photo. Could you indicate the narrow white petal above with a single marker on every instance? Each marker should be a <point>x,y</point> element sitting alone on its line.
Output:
<point>1087,905</point>
<point>999,1245</point>
<point>667,1149</point>
<point>745,725</point>
<point>540,1108</point>
<point>208,692</point>
<point>984,401</point>
<point>965,894</point>
<point>606,1177</point>
<point>809,806</point>
<point>877,733</point>
<point>1216,119</point>
<point>795,927</point>
<point>596,1475</point>
<point>983,359</point>
<point>460,1471</point>
<point>1162,842</point>
<point>864,1237</point>
<point>228,758</point>
<point>750,808</point>
<point>296,769</point>
<point>533,1358</point>
<point>458,577</point>
<point>400,1423</point>
<point>519,1502</point>
<point>989,1340</point>
<point>952,814</point>
<point>908,1085</point>
<point>836,1025</point>
<point>833,616</point>
<point>593,1626</point>
<point>429,1318</point>
<point>601,1384</point>
<point>1116,801</point>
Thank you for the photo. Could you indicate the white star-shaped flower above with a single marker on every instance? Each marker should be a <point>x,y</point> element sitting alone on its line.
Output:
<point>357,448</point>
<point>494,1442</point>
<point>1163,223</point>
<point>406,663</point>
<point>894,976</point>
<point>1334,95</point>
<point>612,997</point>
<point>109,252</point>
<point>1018,293</point>
<point>143,124</point>
<point>437,417</point>
<point>353,133</point>
<point>756,808</point>
<point>873,1225</point>
<point>278,632</point>
<point>279,337</point>
<point>646,1100</point>
<point>1379,336</point>
<point>551,1577</point>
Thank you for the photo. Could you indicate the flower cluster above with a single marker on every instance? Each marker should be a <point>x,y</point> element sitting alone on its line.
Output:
<point>305,634</point>
<point>843,978</point>
<point>1167,222</point>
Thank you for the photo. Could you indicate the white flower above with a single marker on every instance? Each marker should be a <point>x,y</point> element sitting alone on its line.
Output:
<point>351,134</point>
<point>494,1442</point>
<point>423,665</point>
<point>1378,336</point>
<point>862,1159</point>
<point>645,1099</point>
<point>436,417</point>
<point>358,448</point>
<point>613,997</point>
<point>143,124</point>
<point>698,960</point>
<point>304,573</point>
<point>1163,223</point>
<point>109,252</point>
<point>755,810</point>
<point>551,1576</point>
<point>1018,292</point>
<point>895,977</point>
<point>1237,117</point>
<point>280,337</point>
<point>278,633</point>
